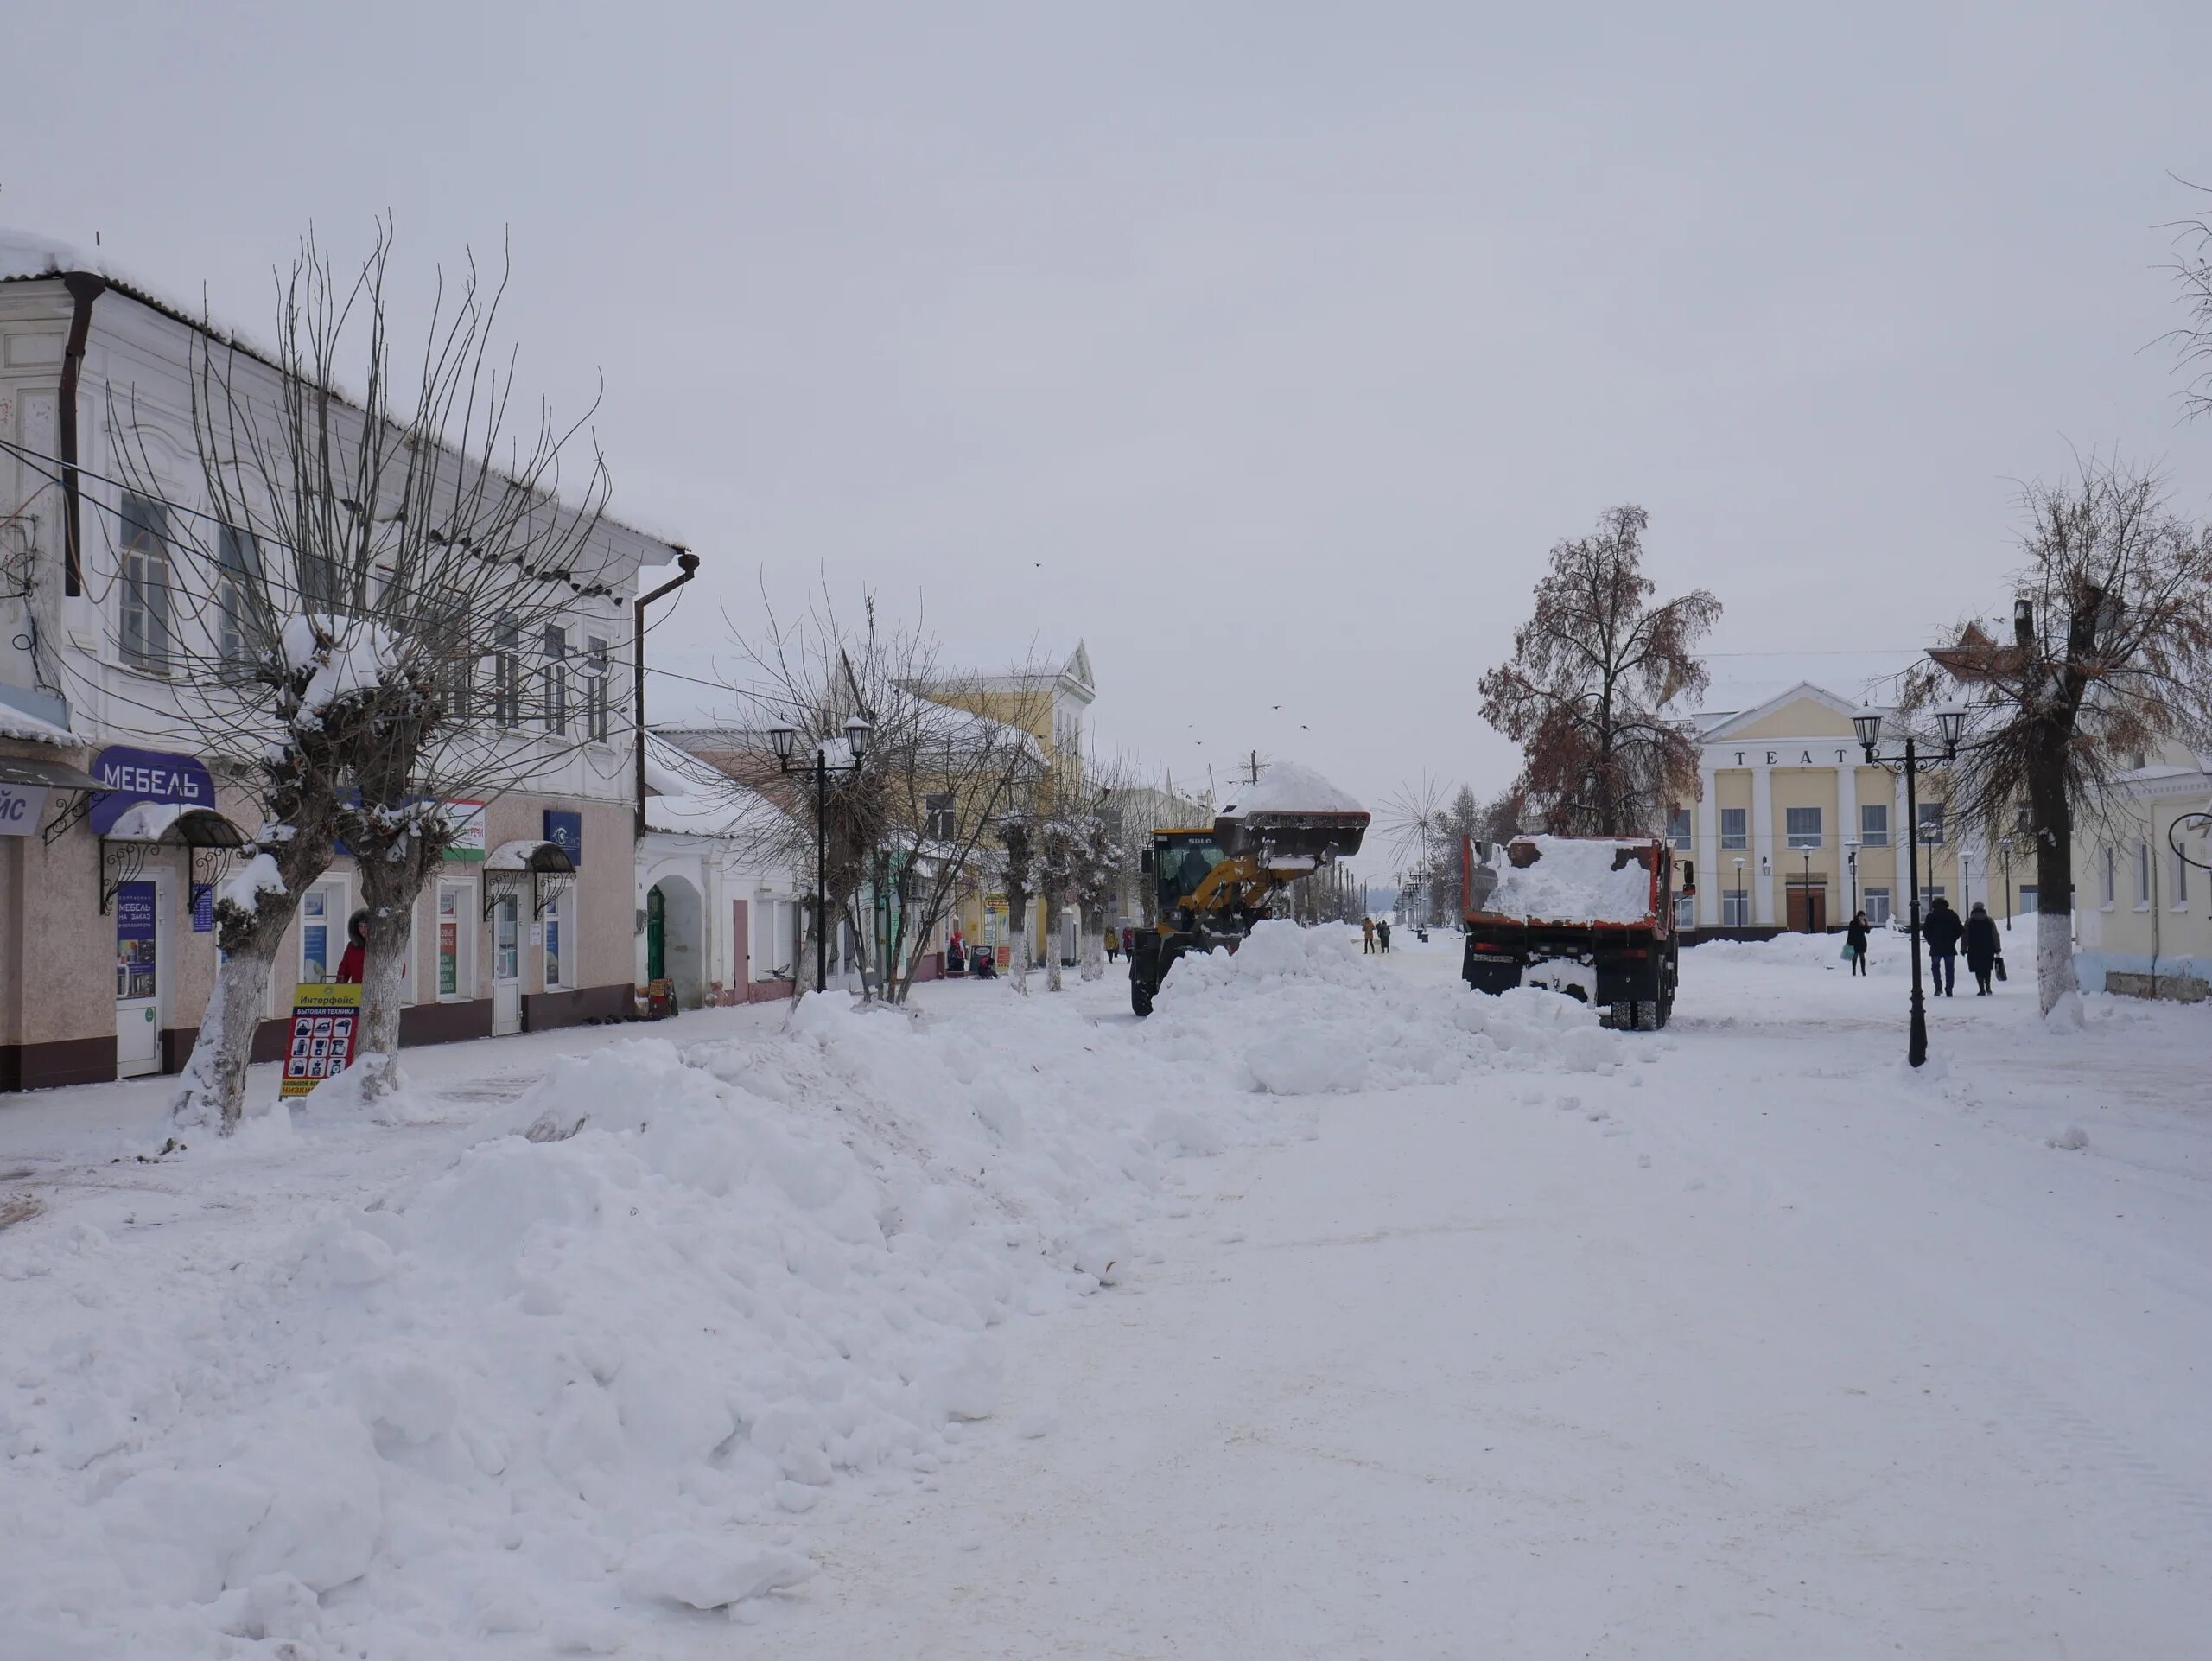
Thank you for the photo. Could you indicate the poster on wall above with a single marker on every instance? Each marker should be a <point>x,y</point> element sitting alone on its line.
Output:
<point>203,908</point>
<point>466,819</point>
<point>995,918</point>
<point>133,940</point>
<point>20,808</point>
<point>314,931</point>
<point>326,1021</point>
<point>565,831</point>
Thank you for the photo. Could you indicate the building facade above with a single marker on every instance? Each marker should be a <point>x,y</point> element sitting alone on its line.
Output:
<point>116,818</point>
<point>2142,895</point>
<point>1793,831</point>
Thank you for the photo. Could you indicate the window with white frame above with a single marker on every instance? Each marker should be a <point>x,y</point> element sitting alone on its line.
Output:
<point>1802,825</point>
<point>455,935</point>
<point>1874,825</point>
<point>1736,909</point>
<point>2142,875</point>
<point>1684,911</point>
<point>1678,828</point>
<point>506,675</point>
<point>142,617</point>
<point>560,950</point>
<point>556,703</point>
<point>1929,893</point>
<point>241,624</point>
<point>1875,902</point>
<point>2180,900</point>
<point>2108,877</point>
<point>1931,824</point>
<point>1733,832</point>
<point>600,696</point>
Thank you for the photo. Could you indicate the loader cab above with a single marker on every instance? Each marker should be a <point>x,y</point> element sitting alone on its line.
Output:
<point>1180,860</point>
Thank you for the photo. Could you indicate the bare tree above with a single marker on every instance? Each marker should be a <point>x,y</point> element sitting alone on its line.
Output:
<point>322,623</point>
<point>2111,656</point>
<point>1585,691</point>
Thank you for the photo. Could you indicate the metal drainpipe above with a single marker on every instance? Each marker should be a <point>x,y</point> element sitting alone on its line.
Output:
<point>84,288</point>
<point>689,562</point>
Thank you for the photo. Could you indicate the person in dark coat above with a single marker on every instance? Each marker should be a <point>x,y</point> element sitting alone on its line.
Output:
<point>1382,932</point>
<point>1942,931</point>
<point>1983,947</point>
<point>1854,937</point>
<point>357,950</point>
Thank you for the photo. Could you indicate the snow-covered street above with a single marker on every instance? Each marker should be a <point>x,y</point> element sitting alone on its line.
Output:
<point>1478,1331</point>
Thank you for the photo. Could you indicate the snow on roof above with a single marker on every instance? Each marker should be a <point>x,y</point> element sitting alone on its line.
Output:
<point>27,254</point>
<point>1571,880</point>
<point>687,796</point>
<point>1288,787</point>
<point>1745,680</point>
<point>29,728</point>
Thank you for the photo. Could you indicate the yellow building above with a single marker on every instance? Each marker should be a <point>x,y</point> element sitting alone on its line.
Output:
<point>2142,904</point>
<point>1791,830</point>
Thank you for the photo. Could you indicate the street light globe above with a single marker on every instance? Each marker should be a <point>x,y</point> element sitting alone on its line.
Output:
<point>1951,722</point>
<point>783,735</point>
<point>1868,725</point>
<point>856,733</point>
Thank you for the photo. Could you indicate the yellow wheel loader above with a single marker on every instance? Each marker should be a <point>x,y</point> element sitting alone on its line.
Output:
<point>1213,883</point>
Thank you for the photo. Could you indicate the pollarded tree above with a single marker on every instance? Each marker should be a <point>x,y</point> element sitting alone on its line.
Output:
<point>1585,692</point>
<point>345,620</point>
<point>2111,656</point>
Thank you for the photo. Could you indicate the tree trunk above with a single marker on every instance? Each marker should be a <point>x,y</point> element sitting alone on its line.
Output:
<point>1093,950</point>
<point>1017,923</point>
<point>2051,811</point>
<point>1053,905</point>
<point>211,1091</point>
<point>388,890</point>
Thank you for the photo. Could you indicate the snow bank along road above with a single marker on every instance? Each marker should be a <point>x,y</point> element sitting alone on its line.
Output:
<point>1429,1327</point>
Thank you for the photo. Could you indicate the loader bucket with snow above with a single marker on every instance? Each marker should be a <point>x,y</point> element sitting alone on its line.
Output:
<point>1289,840</point>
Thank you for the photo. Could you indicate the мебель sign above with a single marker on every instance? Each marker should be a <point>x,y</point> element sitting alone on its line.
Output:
<point>129,777</point>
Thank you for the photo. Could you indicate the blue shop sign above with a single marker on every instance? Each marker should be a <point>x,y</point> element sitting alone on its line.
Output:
<point>129,777</point>
<point>566,832</point>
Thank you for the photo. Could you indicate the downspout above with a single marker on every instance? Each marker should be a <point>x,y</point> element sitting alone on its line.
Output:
<point>84,288</point>
<point>689,562</point>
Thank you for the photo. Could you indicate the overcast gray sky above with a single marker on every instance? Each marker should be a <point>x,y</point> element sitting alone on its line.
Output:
<point>1266,347</point>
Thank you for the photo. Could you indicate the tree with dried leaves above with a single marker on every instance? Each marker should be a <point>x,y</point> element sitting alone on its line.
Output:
<point>322,623</point>
<point>1585,690</point>
<point>2110,658</point>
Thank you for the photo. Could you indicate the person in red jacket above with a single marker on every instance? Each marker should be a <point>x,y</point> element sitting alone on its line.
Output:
<point>357,950</point>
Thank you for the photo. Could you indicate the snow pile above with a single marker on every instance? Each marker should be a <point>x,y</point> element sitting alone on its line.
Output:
<point>1573,880</point>
<point>597,1364</point>
<point>244,887</point>
<point>1302,1012</point>
<point>1287,787</point>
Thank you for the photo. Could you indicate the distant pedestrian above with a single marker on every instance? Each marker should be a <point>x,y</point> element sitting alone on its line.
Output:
<point>1982,947</point>
<point>350,966</point>
<point>1382,933</point>
<point>1113,944</point>
<point>1942,931</point>
<point>1854,942</point>
<point>1367,934</point>
<point>1129,944</point>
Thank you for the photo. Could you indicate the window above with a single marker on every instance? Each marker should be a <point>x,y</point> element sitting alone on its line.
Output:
<point>1874,825</point>
<point>2142,875</point>
<point>1931,824</point>
<point>940,822</point>
<point>455,913</point>
<point>1678,828</point>
<point>506,676</point>
<point>1736,909</point>
<point>598,697</point>
<point>1875,902</point>
<point>1733,831</point>
<point>2023,822</point>
<point>1927,894</point>
<point>2027,900</point>
<point>556,680</point>
<point>554,965</point>
<point>2107,880</point>
<point>322,931</point>
<point>241,624</point>
<point>144,617</point>
<point>1684,911</point>
<point>1803,824</point>
<point>2180,879</point>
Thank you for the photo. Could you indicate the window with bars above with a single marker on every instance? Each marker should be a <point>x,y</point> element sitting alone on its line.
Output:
<point>142,619</point>
<point>556,674</point>
<point>600,697</point>
<point>1802,825</point>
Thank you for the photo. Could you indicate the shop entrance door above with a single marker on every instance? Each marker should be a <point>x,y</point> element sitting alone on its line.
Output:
<point>506,965</point>
<point>656,936</point>
<point>1808,909</point>
<point>138,976</point>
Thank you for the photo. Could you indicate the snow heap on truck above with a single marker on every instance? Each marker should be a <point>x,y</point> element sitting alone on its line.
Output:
<point>1591,917</point>
<point>1571,880</point>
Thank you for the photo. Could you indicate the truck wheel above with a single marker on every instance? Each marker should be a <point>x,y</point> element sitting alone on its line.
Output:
<point>1666,1011</point>
<point>1650,1015</point>
<point>1139,996</point>
<point>1619,1017</point>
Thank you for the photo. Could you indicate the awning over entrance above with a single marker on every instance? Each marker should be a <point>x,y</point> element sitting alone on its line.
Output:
<point>177,825</point>
<point>49,775</point>
<point>529,854</point>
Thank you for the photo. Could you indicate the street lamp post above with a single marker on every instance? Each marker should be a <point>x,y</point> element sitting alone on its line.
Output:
<point>1851,860</point>
<point>1965,880</point>
<point>1868,725</point>
<point>1741,909</point>
<point>1808,890</point>
<point>786,739</point>
<point>2004,847</point>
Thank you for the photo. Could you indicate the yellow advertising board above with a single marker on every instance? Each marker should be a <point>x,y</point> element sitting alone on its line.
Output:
<point>326,1022</point>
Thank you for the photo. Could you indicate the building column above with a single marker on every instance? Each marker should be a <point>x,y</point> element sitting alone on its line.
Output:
<point>1706,818</point>
<point>1904,840</point>
<point>1847,830</point>
<point>1763,847</point>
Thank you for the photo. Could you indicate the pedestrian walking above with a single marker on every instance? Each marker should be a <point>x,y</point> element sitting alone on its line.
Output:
<point>1382,934</point>
<point>1942,931</point>
<point>1855,935</point>
<point>1367,934</point>
<point>1982,947</point>
<point>356,959</point>
<point>1129,944</point>
<point>1113,944</point>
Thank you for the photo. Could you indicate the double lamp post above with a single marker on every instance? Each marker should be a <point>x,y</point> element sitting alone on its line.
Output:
<point>1951,723</point>
<point>786,739</point>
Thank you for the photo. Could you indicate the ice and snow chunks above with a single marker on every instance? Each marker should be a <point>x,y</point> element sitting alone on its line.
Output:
<point>1571,880</point>
<point>1302,1012</point>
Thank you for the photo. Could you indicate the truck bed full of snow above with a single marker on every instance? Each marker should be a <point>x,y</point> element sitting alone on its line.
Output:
<point>1571,880</point>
